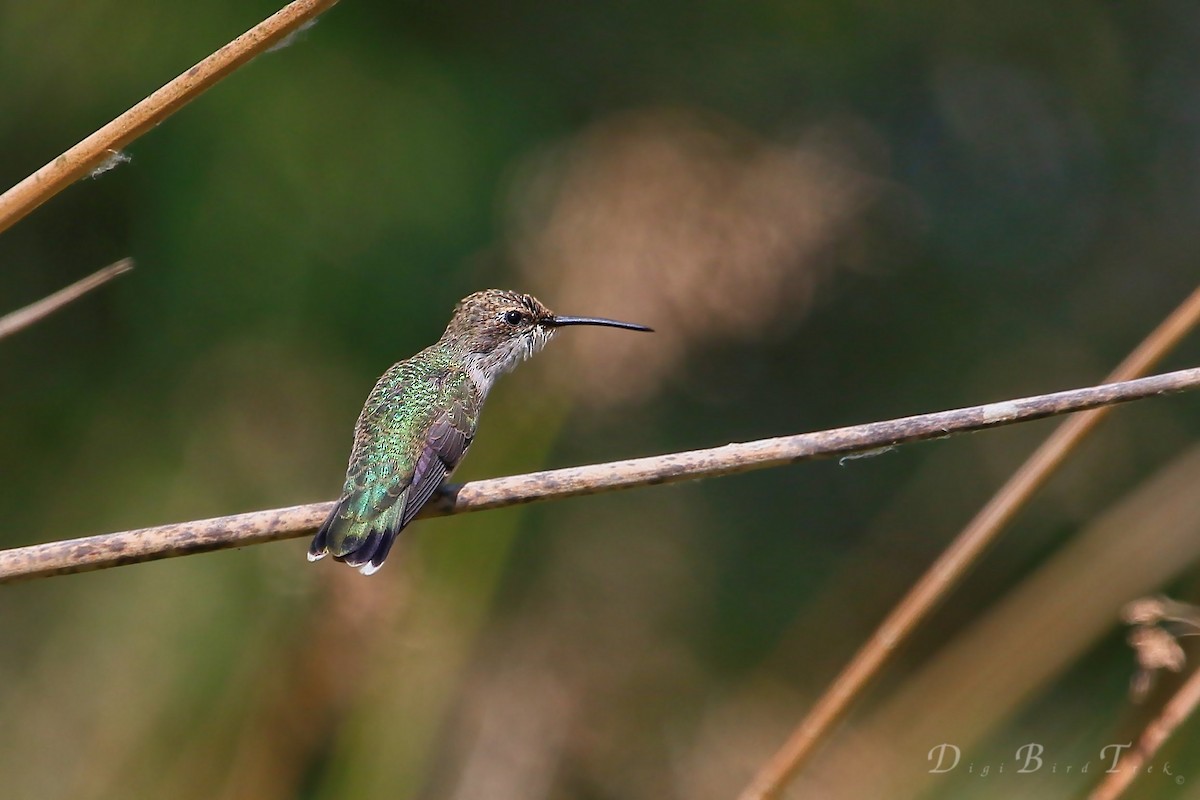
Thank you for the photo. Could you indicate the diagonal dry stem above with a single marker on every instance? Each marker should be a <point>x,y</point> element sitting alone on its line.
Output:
<point>1181,706</point>
<point>955,561</point>
<point>24,317</point>
<point>90,153</point>
<point>146,544</point>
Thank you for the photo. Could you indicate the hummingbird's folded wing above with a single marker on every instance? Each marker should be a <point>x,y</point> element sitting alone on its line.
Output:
<point>397,465</point>
<point>447,441</point>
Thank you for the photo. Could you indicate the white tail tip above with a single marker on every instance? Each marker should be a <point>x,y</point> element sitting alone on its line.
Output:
<point>316,556</point>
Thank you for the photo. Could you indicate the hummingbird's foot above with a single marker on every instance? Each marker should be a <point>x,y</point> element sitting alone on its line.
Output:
<point>445,496</point>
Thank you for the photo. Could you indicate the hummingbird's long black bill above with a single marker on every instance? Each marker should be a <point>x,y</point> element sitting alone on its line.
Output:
<point>558,322</point>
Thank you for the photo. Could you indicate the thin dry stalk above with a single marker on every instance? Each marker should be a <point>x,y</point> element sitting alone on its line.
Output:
<point>93,151</point>
<point>147,544</point>
<point>955,561</point>
<point>1181,706</point>
<point>24,317</point>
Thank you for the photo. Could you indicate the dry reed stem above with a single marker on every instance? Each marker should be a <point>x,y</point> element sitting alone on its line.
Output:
<point>945,573</point>
<point>1181,706</point>
<point>24,317</point>
<point>1157,648</point>
<point>146,544</point>
<point>90,153</point>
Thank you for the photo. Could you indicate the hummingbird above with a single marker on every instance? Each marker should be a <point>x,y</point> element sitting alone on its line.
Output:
<point>421,417</point>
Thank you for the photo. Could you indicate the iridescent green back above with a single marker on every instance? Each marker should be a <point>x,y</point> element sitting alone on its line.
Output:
<point>412,432</point>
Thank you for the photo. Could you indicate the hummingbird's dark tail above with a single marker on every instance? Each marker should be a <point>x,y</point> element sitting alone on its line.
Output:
<point>363,544</point>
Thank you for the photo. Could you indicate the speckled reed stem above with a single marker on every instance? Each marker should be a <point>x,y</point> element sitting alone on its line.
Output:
<point>181,538</point>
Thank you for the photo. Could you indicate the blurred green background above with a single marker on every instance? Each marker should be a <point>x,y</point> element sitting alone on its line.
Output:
<point>832,212</point>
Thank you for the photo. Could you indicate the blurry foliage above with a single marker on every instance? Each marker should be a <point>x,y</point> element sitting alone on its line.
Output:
<point>832,211</point>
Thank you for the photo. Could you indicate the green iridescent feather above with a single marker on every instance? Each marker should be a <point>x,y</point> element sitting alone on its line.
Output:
<point>414,429</point>
<point>420,419</point>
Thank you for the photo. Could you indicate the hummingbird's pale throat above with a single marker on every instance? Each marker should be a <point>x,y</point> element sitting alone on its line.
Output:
<point>422,415</point>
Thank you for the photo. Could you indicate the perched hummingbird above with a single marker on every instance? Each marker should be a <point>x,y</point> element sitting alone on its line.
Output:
<point>421,416</point>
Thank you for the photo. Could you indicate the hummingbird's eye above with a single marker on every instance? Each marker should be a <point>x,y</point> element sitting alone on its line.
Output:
<point>513,317</point>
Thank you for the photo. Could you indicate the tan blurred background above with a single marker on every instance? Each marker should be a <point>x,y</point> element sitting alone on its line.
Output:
<point>832,212</point>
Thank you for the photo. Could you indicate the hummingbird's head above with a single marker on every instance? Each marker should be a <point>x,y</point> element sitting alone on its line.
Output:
<point>496,329</point>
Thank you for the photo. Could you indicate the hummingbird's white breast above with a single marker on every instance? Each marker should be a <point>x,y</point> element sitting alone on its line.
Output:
<point>485,368</point>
